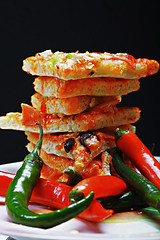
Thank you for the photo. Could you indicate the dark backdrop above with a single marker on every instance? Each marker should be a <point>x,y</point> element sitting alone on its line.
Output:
<point>112,26</point>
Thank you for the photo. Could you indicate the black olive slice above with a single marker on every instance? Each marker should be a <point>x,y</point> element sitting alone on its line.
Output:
<point>68,144</point>
<point>85,136</point>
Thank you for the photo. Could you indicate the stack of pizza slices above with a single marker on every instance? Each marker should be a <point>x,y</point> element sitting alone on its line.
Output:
<point>76,102</point>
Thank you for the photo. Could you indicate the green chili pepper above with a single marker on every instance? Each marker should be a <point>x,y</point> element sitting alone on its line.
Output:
<point>125,202</point>
<point>20,189</point>
<point>147,190</point>
<point>152,213</point>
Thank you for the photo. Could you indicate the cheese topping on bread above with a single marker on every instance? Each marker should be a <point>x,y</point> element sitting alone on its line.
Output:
<point>87,65</point>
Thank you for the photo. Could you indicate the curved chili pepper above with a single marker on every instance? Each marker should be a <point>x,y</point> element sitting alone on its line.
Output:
<point>147,190</point>
<point>55,194</point>
<point>102,186</point>
<point>139,155</point>
<point>95,212</point>
<point>21,188</point>
<point>46,192</point>
<point>125,202</point>
<point>5,179</point>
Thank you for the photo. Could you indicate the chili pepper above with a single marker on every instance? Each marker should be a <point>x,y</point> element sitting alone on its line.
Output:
<point>51,193</point>
<point>55,194</point>
<point>139,155</point>
<point>152,213</point>
<point>127,201</point>
<point>147,190</point>
<point>46,192</point>
<point>95,212</point>
<point>20,190</point>
<point>102,186</point>
<point>5,179</point>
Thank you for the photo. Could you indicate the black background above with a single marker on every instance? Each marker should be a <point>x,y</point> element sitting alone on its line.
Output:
<point>112,26</point>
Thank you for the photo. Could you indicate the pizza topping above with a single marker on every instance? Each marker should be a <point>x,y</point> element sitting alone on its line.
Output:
<point>68,144</point>
<point>85,136</point>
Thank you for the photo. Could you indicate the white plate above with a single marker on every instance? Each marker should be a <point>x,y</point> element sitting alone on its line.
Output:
<point>129,225</point>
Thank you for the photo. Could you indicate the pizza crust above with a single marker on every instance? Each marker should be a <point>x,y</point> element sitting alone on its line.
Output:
<point>55,87</point>
<point>87,65</point>
<point>91,120</point>
<point>68,106</point>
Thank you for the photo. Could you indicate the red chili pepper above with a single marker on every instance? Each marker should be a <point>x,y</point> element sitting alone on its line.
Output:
<point>46,192</point>
<point>5,179</point>
<point>103,186</point>
<point>55,195</point>
<point>139,155</point>
<point>95,212</point>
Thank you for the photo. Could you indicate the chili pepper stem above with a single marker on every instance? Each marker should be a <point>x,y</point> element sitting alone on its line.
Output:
<point>118,133</point>
<point>75,195</point>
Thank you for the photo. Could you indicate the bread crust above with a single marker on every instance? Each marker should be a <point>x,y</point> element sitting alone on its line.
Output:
<point>67,106</point>
<point>55,87</point>
<point>87,65</point>
<point>91,120</point>
<point>53,165</point>
<point>54,143</point>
